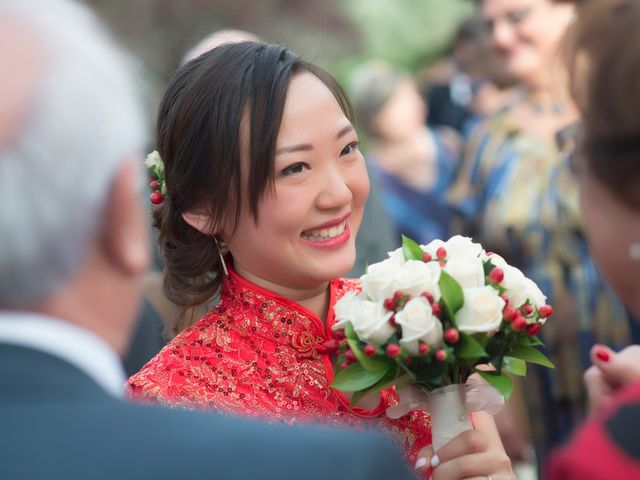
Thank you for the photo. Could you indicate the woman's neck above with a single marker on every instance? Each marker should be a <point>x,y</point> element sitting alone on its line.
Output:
<point>315,298</point>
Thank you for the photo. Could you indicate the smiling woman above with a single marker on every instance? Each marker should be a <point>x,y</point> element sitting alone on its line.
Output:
<point>261,156</point>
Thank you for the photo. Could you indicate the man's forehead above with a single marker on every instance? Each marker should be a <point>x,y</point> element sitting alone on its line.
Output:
<point>22,61</point>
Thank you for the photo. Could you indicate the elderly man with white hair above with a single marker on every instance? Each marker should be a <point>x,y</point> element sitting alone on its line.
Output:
<point>73,249</point>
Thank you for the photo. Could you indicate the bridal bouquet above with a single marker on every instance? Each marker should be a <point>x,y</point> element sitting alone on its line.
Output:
<point>429,317</point>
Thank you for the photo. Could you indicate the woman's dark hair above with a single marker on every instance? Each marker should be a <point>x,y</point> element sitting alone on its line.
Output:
<point>603,56</point>
<point>203,115</point>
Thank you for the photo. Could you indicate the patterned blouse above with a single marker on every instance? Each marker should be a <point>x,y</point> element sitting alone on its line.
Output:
<point>259,354</point>
<point>519,198</point>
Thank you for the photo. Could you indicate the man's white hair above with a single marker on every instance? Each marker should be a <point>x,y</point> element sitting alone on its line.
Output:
<point>55,175</point>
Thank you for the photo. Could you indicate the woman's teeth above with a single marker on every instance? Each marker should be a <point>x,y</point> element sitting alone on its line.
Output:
<point>325,233</point>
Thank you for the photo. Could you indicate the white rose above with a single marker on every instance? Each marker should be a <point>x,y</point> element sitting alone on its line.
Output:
<point>371,322</point>
<point>153,160</point>
<point>469,271</point>
<point>379,281</point>
<point>416,277</point>
<point>514,281</point>
<point>418,323</point>
<point>397,257</point>
<point>456,247</point>
<point>481,311</point>
<point>345,309</point>
<point>534,294</point>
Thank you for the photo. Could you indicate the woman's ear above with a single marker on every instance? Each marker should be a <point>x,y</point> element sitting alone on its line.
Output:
<point>200,220</point>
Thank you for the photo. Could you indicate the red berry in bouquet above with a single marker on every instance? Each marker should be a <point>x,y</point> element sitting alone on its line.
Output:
<point>545,311</point>
<point>436,309</point>
<point>390,304</point>
<point>369,350</point>
<point>533,329</point>
<point>426,257</point>
<point>510,313</point>
<point>441,253</point>
<point>423,349</point>
<point>350,356</point>
<point>496,275</point>
<point>428,296</point>
<point>154,185</point>
<point>519,323</point>
<point>441,355</point>
<point>527,309</point>
<point>451,336</point>
<point>393,350</point>
<point>331,346</point>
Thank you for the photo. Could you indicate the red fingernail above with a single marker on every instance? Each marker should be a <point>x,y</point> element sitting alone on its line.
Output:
<point>602,355</point>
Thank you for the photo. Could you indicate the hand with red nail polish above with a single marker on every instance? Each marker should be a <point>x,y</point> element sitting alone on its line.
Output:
<point>610,372</point>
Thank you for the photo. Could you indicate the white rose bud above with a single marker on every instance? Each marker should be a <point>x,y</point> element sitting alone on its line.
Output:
<point>418,323</point>
<point>371,322</point>
<point>379,281</point>
<point>469,271</point>
<point>481,311</point>
<point>416,277</point>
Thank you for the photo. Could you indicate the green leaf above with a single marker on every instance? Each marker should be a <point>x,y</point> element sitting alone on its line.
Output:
<point>349,332</point>
<point>411,249</point>
<point>530,341</point>
<point>371,364</point>
<point>355,377</point>
<point>530,354</point>
<point>390,378</point>
<point>515,366</point>
<point>500,381</point>
<point>469,348</point>
<point>452,294</point>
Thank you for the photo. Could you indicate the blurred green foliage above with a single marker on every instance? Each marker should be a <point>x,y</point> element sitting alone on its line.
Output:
<point>409,33</point>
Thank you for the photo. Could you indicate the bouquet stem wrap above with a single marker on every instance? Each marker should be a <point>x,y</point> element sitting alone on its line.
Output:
<point>449,414</point>
<point>449,407</point>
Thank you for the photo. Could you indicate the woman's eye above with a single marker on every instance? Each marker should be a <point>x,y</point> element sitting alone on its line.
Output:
<point>352,147</point>
<point>518,16</point>
<point>294,169</point>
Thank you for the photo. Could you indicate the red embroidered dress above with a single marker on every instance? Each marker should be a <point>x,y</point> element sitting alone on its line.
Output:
<point>260,354</point>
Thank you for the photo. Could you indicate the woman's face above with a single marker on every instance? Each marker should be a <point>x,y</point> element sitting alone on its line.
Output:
<point>525,34</point>
<point>305,232</point>
<point>613,228</point>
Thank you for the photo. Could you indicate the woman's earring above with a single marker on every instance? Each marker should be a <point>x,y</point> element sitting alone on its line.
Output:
<point>224,265</point>
<point>634,251</point>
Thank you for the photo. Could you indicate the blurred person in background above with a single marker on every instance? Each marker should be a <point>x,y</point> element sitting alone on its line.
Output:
<point>519,198</point>
<point>467,86</point>
<point>413,165</point>
<point>74,251</point>
<point>604,64</point>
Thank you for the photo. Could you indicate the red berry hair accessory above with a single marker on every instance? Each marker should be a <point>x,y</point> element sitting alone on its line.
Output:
<point>158,187</point>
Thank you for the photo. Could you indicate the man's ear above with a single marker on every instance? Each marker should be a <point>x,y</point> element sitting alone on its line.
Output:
<point>125,237</point>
